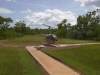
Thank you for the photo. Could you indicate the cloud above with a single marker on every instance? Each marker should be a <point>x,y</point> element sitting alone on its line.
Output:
<point>5,11</point>
<point>86,10</point>
<point>95,3</point>
<point>27,11</point>
<point>17,20</point>
<point>8,0</point>
<point>12,0</point>
<point>49,17</point>
<point>56,4</point>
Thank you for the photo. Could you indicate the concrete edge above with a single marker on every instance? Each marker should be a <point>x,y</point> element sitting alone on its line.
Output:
<point>40,66</point>
<point>63,63</point>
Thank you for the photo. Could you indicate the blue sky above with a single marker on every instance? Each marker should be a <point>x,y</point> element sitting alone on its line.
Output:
<point>50,12</point>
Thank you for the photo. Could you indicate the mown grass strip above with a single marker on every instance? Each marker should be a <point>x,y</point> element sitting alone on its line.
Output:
<point>10,61</point>
<point>16,61</point>
<point>29,67</point>
<point>85,59</point>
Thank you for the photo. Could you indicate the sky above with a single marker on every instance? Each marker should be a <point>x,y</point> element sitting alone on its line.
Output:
<point>35,13</point>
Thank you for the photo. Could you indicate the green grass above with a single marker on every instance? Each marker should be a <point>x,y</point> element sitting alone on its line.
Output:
<point>31,39</point>
<point>16,61</point>
<point>85,59</point>
<point>74,41</point>
<point>28,39</point>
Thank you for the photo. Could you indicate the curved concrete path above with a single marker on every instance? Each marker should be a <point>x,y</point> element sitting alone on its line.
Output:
<point>53,67</point>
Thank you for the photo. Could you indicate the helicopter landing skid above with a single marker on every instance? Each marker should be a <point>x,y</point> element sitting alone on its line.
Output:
<point>46,45</point>
<point>50,45</point>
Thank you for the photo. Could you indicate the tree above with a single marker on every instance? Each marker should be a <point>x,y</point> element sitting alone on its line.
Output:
<point>20,28</point>
<point>63,29</point>
<point>62,24</point>
<point>88,25</point>
<point>5,23</point>
<point>4,26</point>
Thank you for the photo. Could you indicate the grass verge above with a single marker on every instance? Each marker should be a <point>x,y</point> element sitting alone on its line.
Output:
<point>16,61</point>
<point>85,59</point>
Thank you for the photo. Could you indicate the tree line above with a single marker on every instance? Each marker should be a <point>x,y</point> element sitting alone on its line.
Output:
<point>19,29</point>
<point>87,28</point>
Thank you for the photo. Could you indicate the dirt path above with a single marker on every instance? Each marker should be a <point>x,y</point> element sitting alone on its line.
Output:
<point>52,66</point>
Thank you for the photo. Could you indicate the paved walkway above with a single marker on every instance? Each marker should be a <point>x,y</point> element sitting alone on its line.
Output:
<point>53,67</point>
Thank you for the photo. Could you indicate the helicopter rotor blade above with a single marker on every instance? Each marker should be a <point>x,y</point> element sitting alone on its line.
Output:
<point>45,25</point>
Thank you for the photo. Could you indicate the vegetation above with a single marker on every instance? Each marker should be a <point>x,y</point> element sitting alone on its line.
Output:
<point>28,39</point>
<point>75,41</point>
<point>40,39</point>
<point>19,29</point>
<point>63,29</point>
<point>16,61</point>
<point>87,28</point>
<point>85,59</point>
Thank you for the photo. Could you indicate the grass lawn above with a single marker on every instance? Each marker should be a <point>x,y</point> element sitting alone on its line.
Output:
<point>31,39</point>
<point>28,39</point>
<point>74,41</point>
<point>16,61</point>
<point>85,58</point>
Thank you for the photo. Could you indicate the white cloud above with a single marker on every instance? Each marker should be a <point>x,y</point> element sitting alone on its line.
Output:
<point>56,4</point>
<point>27,11</point>
<point>8,0</point>
<point>93,3</point>
<point>12,0</point>
<point>49,17</point>
<point>17,20</point>
<point>86,10</point>
<point>5,11</point>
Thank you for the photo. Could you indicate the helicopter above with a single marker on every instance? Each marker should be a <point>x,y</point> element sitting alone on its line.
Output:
<point>50,38</point>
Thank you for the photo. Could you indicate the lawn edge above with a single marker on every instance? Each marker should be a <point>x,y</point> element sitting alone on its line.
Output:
<point>76,70</point>
<point>40,66</point>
